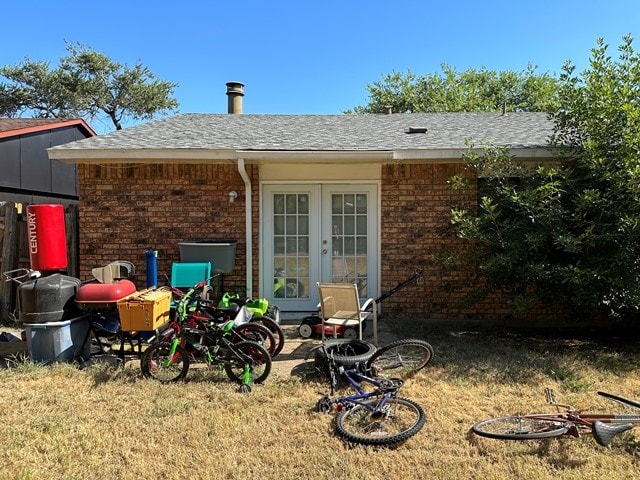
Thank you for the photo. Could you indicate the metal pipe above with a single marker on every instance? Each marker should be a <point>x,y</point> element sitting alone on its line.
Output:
<point>248,226</point>
<point>235,92</point>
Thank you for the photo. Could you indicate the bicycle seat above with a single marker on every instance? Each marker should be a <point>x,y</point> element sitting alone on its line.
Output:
<point>604,432</point>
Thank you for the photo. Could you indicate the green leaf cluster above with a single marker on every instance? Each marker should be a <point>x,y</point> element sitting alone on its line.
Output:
<point>86,84</point>
<point>568,234</point>
<point>473,90</point>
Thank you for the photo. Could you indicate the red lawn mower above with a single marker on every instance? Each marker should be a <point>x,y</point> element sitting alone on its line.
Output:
<point>312,324</point>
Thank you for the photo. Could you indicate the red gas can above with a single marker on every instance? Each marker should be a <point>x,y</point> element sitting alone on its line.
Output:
<point>47,237</point>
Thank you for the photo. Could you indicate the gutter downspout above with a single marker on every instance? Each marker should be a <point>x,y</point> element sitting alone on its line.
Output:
<point>248,227</point>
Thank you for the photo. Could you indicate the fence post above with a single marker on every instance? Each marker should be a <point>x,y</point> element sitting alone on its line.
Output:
<point>9,258</point>
<point>71,226</point>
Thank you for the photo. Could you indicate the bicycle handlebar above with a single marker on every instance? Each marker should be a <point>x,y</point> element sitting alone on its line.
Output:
<point>617,398</point>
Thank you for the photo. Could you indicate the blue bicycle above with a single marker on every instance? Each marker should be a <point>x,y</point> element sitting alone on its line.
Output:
<point>375,417</point>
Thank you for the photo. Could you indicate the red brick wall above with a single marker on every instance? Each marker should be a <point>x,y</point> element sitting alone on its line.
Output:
<point>415,228</point>
<point>127,209</point>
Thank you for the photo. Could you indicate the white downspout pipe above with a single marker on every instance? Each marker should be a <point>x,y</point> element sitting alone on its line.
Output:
<point>248,226</point>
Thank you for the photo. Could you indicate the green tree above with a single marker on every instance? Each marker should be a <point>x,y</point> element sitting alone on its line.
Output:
<point>86,84</point>
<point>469,91</point>
<point>568,233</point>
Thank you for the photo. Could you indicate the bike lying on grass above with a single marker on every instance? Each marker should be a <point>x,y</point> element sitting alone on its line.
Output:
<point>187,337</point>
<point>402,358</point>
<point>375,417</point>
<point>568,422</point>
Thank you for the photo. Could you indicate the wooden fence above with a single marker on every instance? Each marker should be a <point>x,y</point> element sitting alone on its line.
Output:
<point>14,249</point>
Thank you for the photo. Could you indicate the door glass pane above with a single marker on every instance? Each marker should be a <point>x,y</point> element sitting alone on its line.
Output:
<point>303,225</point>
<point>291,245</point>
<point>349,239</point>
<point>361,225</point>
<point>349,225</point>
<point>303,204</point>
<point>278,204</point>
<point>278,225</point>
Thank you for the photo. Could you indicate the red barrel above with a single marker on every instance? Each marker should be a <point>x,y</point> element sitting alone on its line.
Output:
<point>47,237</point>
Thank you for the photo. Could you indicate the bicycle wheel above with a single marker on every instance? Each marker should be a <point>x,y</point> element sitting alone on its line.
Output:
<point>398,420</point>
<point>401,358</point>
<point>520,428</point>
<point>260,362</point>
<point>255,332</point>
<point>275,328</point>
<point>157,362</point>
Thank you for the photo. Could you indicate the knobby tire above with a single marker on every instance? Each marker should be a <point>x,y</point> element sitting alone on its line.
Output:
<point>404,419</point>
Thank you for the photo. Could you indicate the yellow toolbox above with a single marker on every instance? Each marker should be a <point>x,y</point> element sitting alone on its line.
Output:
<point>145,310</point>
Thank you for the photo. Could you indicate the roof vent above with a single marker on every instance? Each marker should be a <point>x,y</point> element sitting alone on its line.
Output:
<point>415,130</point>
<point>235,92</point>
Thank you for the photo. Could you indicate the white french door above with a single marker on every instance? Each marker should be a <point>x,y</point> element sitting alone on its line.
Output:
<point>315,233</point>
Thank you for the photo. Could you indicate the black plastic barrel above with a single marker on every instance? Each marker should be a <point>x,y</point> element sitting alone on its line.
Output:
<point>48,299</point>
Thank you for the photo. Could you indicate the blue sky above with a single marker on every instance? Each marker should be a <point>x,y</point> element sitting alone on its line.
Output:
<point>309,56</point>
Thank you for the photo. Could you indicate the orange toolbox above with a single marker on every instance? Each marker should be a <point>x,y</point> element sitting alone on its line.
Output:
<point>145,310</point>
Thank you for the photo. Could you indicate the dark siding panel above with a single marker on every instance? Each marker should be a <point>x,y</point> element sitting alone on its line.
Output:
<point>63,175</point>
<point>10,163</point>
<point>63,178</point>
<point>65,135</point>
<point>36,166</point>
<point>25,165</point>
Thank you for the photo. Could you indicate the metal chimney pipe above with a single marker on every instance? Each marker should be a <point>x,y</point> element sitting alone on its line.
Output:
<point>235,92</point>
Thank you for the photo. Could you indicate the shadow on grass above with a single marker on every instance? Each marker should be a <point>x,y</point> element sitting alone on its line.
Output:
<point>521,355</point>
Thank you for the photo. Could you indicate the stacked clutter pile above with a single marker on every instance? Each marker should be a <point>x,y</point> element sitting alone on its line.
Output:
<point>55,329</point>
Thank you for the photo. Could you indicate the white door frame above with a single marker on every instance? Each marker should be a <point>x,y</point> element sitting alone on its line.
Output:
<point>319,264</point>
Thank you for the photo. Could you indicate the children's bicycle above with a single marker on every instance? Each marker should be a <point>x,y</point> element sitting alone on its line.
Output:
<point>567,421</point>
<point>233,306</point>
<point>168,360</point>
<point>194,306</point>
<point>244,362</point>
<point>205,307</point>
<point>375,417</point>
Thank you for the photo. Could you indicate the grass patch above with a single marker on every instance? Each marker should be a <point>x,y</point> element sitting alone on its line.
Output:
<point>105,422</point>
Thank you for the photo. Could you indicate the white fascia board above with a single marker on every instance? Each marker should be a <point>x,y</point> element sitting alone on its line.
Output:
<point>315,156</point>
<point>144,155</point>
<point>193,155</point>
<point>456,154</point>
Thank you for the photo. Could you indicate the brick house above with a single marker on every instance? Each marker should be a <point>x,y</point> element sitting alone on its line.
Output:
<point>357,198</point>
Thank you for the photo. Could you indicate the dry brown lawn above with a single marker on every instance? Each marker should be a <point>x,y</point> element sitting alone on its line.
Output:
<point>62,422</point>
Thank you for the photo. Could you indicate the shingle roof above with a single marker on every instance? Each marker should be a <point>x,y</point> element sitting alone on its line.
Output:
<point>327,132</point>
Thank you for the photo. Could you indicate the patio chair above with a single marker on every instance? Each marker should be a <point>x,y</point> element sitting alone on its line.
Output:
<point>185,275</point>
<point>114,271</point>
<point>340,307</point>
